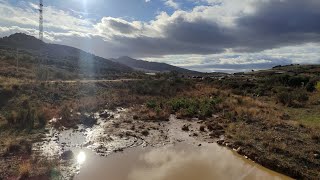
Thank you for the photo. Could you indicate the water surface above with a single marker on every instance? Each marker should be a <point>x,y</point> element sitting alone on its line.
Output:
<point>175,162</point>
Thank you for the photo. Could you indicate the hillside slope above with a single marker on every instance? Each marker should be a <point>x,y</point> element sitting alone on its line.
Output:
<point>147,66</point>
<point>58,61</point>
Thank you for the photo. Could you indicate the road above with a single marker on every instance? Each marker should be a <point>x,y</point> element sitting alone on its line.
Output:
<point>93,81</point>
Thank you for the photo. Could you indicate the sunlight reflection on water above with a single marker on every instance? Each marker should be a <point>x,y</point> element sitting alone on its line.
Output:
<point>81,158</point>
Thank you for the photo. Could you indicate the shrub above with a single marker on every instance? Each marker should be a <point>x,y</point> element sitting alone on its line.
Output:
<point>296,98</point>
<point>298,81</point>
<point>42,118</point>
<point>24,170</point>
<point>285,98</point>
<point>165,88</point>
<point>151,104</point>
<point>192,107</point>
<point>15,147</point>
<point>65,113</point>
<point>287,80</point>
<point>26,117</point>
<point>301,96</point>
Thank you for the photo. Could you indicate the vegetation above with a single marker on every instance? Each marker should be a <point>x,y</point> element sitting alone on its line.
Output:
<point>24,170</point>
<point>281,110</point>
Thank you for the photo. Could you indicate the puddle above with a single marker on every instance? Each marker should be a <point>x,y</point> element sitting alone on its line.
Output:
<point>177,157</point>
<point>175,162</point>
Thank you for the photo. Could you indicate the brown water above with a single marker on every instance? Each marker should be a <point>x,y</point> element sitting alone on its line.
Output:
<point>178,162</point>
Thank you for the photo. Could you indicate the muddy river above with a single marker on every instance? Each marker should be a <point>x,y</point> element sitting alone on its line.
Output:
<point>110,150</point>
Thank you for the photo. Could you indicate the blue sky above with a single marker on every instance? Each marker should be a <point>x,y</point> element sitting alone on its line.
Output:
<point>141,10</point>
<point>203,35</point>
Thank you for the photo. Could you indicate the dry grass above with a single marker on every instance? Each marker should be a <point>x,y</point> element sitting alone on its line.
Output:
<point>8,83</point>
<point>318,86</point>
<point>25,170</point>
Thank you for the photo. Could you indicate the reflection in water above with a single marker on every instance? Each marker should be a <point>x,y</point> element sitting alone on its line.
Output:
<point>179,162</point>
<point>81,158</point>
<point>204,163</point>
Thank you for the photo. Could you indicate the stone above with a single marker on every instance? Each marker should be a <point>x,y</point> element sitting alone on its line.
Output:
<point>104,115</point>
<point>67,155</point>
<point>185,128</point>
<point>145,132</point>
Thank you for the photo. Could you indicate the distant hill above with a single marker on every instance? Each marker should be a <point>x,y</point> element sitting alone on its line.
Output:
<point>147,66</point>
<point>61,61</point>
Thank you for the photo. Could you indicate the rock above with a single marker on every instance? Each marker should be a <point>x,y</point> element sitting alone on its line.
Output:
<point>185,127</point>
<point>202,129</point>
<point>238,149</point>
<point>145,132</point>
<point>220,142</point>
<point>215,135</point>
<point>132,128</point>
<point>195,134</point>
<point>213,127</point>
<point>88,121</point>
<point>104,115</point>
<point>67,155</point>
<point>118,150</point>
<point>316,156</point>
<point>200,145</point>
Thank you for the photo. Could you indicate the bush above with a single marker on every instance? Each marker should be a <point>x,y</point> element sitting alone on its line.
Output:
<point>192,107</point>
<point>296,98</point>
<point>26,117</point>
<point>298,81</point>
<point>166,88</point>
<point>151,104</point>
<point>24,170</point>
<point>287,80</point>
<point>285,98</point>
<point>15,147</point>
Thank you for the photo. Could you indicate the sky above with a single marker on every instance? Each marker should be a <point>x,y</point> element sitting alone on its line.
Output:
<point>202,35</point>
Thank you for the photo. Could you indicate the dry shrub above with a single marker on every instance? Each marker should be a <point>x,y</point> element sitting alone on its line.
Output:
<point>318,86</point>
<point>17,147</point>
<point>25,170</point>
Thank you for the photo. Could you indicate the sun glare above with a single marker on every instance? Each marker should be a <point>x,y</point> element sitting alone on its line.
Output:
<point>81,158</point>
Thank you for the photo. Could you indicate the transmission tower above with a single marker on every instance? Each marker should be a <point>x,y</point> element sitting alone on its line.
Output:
<point>41,20</point>
<point>42,71</point>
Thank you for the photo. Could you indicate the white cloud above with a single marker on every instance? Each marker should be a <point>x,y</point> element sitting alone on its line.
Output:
<point>111,37</point>
<point>172,4</point>
<point>53,18</point>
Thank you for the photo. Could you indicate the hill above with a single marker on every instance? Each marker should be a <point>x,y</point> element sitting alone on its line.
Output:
<point>147,66</point>
<point>56,61</point>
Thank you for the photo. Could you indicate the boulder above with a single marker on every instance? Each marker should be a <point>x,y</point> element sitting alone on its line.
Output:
<point>67,155</point>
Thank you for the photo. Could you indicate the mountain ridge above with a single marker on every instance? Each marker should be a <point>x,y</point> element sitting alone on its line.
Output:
<point>56,58</point>
<point>148,66</point>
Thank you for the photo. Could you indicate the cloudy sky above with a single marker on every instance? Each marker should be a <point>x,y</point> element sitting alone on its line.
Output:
<point>203,35</point>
